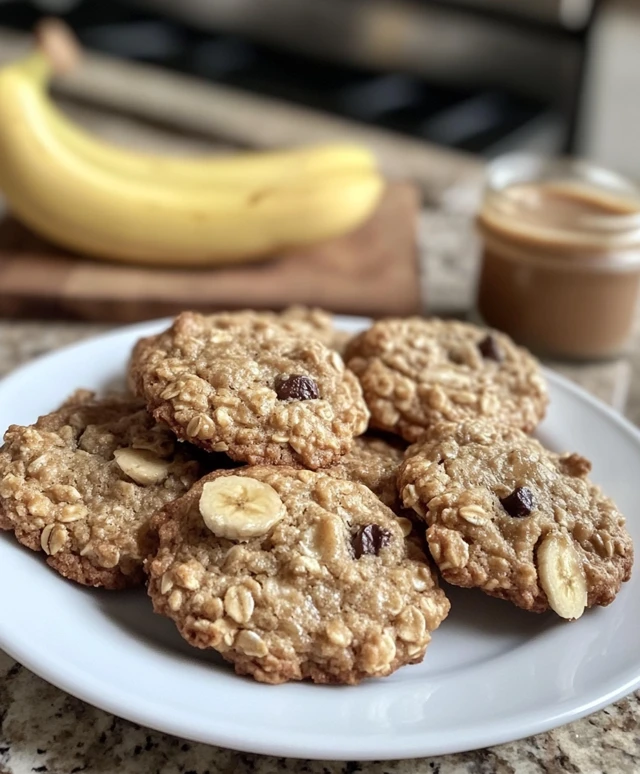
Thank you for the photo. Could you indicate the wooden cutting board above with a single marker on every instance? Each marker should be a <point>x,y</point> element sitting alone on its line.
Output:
<point>373,271</point>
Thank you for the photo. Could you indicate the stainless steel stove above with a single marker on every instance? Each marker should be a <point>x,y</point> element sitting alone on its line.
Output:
<point>484,76</point>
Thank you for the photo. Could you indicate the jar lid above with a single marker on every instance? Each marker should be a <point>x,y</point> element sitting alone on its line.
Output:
<point>566,206</point>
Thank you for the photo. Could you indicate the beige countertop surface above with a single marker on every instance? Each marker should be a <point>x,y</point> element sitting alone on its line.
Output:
<point>45,730</point>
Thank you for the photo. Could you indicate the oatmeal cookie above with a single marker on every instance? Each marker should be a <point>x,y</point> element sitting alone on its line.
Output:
<point>295,320</point>
<point>82,483</point>
<point>305,321</point>
<point>292,574</point>
<point>374,461</point>
<point>416,372</point>
<point>516,520</point>
<point>312,322</point>
<point>261,396</point>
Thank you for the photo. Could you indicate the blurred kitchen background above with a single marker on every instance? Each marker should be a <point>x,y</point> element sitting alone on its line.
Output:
<point>434,87</point>
<point>479,76</point>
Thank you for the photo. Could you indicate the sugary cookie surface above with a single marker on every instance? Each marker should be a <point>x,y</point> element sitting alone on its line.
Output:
<point>82,483</point>
<point>254,393</point>
<point>520,522</point>
<point>292,574</point>
<point>416,372</point>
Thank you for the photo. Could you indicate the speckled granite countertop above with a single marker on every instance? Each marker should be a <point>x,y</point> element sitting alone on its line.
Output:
<point>46,730</point>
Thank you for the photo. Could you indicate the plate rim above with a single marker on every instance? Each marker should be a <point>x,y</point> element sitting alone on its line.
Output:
<point>342,748</point>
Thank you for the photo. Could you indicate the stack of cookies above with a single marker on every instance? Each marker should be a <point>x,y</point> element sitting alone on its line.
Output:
<point>260,479</point>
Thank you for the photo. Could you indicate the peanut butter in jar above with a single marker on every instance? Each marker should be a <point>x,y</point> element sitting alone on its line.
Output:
<point>560,266</point>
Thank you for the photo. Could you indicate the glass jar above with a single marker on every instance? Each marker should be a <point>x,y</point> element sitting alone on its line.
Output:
<point>560,265</point>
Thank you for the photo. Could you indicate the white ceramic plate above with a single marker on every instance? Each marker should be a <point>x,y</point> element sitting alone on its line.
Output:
<point>492,674</point>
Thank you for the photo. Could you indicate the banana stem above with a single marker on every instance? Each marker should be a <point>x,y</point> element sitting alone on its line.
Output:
<point>59,45</point>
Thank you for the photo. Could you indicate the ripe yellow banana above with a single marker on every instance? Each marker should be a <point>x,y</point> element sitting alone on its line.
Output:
<point>249,169</point>
<point>237,169</point>
<point>111,203</point>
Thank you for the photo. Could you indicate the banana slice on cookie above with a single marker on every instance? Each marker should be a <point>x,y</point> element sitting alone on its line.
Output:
<point>562,576</point>
<point>142,466</point>
<point>240,508</point>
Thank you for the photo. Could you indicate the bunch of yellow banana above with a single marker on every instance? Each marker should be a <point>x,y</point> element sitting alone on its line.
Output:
<point>107,202</point>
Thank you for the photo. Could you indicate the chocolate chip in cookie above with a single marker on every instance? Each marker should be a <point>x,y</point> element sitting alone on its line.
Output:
<point>370,539</point>
<point>296,387</point>
<point>490,349</point>
<point>519,503</point>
